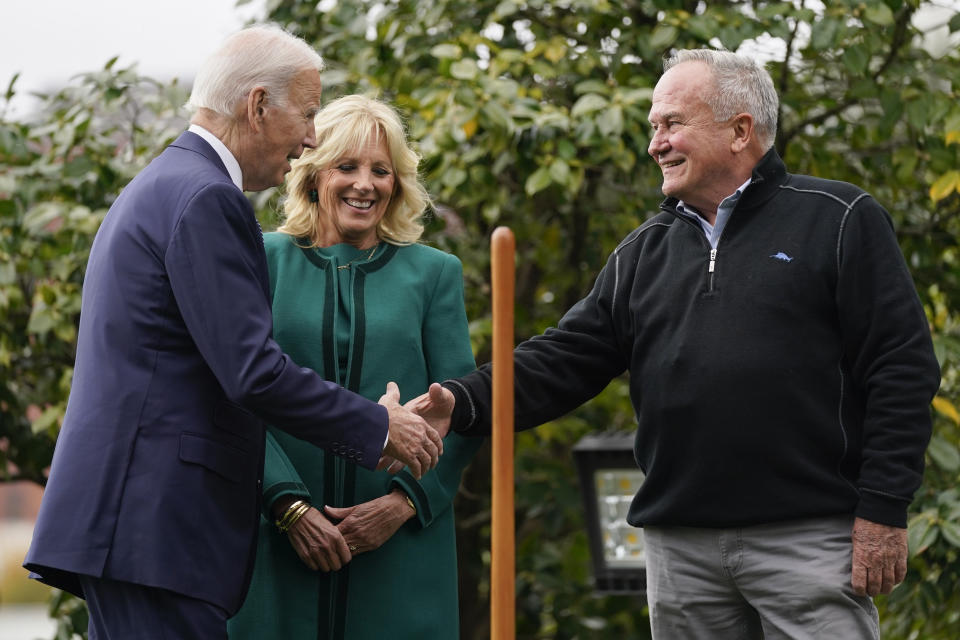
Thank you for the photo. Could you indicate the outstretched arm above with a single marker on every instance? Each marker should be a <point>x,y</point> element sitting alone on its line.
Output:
<point>553,373</point>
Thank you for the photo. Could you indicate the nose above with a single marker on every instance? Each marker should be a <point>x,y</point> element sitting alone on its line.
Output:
<point>658,142</point>
<point>310,137</point>
<point>362,181</point>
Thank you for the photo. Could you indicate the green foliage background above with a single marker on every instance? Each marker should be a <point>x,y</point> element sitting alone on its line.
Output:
<point>532,115</point>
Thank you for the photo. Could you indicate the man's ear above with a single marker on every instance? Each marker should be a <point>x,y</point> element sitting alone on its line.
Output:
<point>256,107</point>
<point>743,132</point>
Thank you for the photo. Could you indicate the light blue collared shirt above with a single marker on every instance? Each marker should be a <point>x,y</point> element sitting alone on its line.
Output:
<point>233,167</point>
<point>715,230</point>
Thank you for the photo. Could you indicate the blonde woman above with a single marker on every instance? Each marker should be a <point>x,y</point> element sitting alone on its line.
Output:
<point>358,300</point>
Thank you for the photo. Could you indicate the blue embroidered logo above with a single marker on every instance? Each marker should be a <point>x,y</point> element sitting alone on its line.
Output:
<point>780,255</point>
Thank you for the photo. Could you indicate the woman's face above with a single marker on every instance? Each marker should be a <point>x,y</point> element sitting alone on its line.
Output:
<point>356,192</point>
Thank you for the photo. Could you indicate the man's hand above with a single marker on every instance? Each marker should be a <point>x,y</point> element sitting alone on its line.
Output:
<point>435,406</point>
<point>412,440</point>
<point>879,557</point>
<point>318,542</point>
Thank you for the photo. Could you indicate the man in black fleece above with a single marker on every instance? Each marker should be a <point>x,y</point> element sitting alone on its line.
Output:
<point>781,370</point>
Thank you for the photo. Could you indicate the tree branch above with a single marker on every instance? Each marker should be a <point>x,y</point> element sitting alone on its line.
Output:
<point>899,39</point>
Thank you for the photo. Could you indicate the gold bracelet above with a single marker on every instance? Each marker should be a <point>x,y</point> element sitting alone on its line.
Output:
<point>293,513</point>
<point>294,517</point>
<point>410,502</point>
<point>282,520</point>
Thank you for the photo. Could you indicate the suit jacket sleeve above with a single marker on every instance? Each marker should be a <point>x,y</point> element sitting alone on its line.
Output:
<point>446,340</point>
<point>280,477</point>
<point>217,270</point>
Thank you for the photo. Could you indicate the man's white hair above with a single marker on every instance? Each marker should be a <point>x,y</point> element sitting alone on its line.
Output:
<point>259,56</point>
<point>741,85</point>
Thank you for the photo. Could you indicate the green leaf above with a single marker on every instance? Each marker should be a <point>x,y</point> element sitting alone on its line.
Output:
<point>454,177</point>
<point>556,50</point>
<point>334,77</point>
<point>559,171</point>
<point>663,36</point>
<point>951,532</point>
<point>944,454</point>
<point>855,59</point>
<point>8,272</point>
<point>774,10</point>
<point>446,51</point>
<point>537,181</point>
<point>879,13</point>
<point>505,9</point>
<point>824,33</point>
<point>464,69</point>
<point>921,533</point>
<point>611,122</point>
<point>498,116</point>
<point>566,149</point>
<point>588,104</point>
<point>954,23</point>
<point>591,86</point>
<point>41,217</point>
<point>41,320</point>
<point>632,96</point>
<point>917,112</point>
<point>46,420</point>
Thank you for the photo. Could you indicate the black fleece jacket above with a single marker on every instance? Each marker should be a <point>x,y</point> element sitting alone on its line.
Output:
<point>788,374</point>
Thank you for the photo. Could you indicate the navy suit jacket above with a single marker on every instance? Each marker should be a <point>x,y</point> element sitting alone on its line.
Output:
<point>157,470</point>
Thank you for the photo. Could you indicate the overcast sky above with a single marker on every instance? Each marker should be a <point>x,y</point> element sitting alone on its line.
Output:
<point>48,41</point>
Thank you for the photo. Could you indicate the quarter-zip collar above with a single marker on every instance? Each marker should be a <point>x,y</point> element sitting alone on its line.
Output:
<point>715,230</point>
<point>765,180</point>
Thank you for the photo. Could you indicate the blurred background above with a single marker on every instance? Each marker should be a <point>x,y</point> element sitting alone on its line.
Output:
<point>530,114</point>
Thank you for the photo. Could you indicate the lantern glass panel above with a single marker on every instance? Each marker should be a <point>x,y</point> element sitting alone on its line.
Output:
<point>622,543</point>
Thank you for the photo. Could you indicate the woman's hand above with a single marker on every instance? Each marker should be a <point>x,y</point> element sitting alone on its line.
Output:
<point>368,525</point>
<point>318,542</point>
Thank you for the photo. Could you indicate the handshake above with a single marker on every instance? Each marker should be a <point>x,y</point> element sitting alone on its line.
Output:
<point>416,429</point>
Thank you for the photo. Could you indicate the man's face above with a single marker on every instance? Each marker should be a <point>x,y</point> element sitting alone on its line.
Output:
<point>285,132</point>
<point>693,151</point>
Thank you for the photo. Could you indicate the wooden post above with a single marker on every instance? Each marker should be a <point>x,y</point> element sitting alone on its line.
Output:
<point>502,538</point>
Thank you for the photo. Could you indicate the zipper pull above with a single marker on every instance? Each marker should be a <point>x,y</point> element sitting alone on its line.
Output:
<point>713,260</point>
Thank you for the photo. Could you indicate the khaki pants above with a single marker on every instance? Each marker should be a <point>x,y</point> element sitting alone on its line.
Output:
<point>774,581</point>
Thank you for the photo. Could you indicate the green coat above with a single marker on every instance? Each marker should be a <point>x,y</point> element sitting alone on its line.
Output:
<point>398,316</point>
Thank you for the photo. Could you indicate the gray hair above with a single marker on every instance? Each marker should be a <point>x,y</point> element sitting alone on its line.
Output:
<point>259,56</point>
<point>740,86</point>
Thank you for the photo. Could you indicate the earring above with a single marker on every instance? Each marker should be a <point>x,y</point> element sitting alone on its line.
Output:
<point>313,195</point>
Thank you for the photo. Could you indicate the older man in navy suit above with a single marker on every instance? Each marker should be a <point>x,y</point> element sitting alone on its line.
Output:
<point>151,507</point>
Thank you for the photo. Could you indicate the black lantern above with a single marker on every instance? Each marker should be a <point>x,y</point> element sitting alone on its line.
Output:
<point>609,478</point>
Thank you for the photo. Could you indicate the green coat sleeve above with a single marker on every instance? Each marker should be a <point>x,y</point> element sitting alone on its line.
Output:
<point>279,477</point>
<point>446,340</point>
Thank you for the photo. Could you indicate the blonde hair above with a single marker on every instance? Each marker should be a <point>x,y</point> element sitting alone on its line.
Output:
<point>346,124</point>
